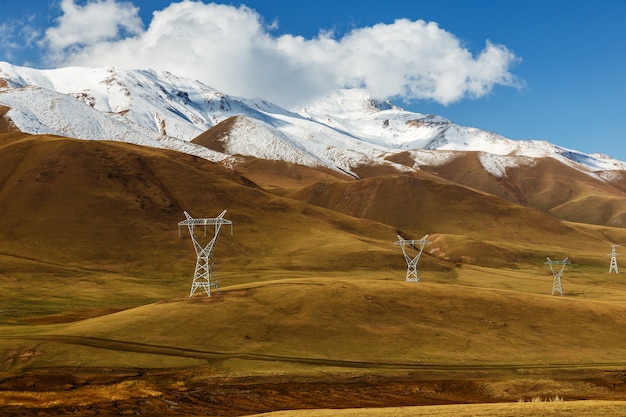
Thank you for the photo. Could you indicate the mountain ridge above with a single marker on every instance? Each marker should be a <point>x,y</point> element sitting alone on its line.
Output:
<point>342,131</point>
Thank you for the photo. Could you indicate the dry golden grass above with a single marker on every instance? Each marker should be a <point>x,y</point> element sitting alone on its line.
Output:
<point>95,222</point>
<point>361,324</point>
<point>532,409</point>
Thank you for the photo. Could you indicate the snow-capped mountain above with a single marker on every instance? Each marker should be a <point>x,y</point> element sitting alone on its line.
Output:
<point>343,131</point>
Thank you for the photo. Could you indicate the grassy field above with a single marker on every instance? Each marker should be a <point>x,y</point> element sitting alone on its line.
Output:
<point>511,344</point>
<point>360,323</point>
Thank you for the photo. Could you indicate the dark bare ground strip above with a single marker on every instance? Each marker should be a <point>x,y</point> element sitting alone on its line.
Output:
<point>204,395</point>
<point>371,384</point>
<point>194,392</point>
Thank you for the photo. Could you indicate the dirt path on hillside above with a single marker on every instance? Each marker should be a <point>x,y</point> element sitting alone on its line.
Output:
<point>126,346</point>
<point>109,392</point>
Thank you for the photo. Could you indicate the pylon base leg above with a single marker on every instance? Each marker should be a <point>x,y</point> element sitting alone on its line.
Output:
<point>203,286</point>
<point>412,273</point>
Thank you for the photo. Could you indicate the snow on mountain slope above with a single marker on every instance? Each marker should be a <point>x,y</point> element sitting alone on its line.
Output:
<point>44,111</point>
<point>40,107</point>
<point>343,131</point>
<point>387,125</point>
<point>268,143</point>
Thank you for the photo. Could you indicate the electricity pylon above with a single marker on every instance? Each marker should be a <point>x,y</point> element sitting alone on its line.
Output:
<point>415,246</point>
<point>613,255</point>
<point>204,276</point>
<point>557,285</point>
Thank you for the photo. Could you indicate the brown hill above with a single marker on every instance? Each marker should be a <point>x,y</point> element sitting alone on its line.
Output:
<point>115,207</point>
<point>338,341</point>
<point>488,227</point>
<point>97,223</point>
<point>541,183</point>
<point>212,138</point>
<point>368,323</point>
<point>98,211</point>
<point>282,177</point>
<point>6,124</point>
<point>547,185</point>
<point>275,175</point>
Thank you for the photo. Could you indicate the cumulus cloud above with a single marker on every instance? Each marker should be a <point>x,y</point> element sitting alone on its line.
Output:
<point>97,21</point>
<point>232,49</point>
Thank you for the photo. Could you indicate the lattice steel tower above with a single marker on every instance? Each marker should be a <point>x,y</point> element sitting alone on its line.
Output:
<point>204,277</point>
<point>557,285</point>
<point>412,250</point>
<point>613,255</point>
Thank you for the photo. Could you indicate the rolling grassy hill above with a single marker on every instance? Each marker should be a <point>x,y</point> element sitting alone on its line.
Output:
<point>470,226</point>
<point>95,276</point>
<point>458,343</point>
<point>349,323</point>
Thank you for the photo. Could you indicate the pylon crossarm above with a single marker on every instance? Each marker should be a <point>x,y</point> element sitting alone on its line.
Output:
<point>218,221</point>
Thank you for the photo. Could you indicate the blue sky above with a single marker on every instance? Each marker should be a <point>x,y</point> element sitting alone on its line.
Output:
<point>536,69</point>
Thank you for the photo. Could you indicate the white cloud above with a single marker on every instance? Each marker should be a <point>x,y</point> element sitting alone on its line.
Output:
<point>97,21</point>
<point>232,49</point>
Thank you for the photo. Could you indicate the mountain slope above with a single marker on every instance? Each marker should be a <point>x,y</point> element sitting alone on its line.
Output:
<point>94,272</point>
<point>348,132</point>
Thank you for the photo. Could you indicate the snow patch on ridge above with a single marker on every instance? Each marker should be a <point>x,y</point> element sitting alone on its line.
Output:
<point>266,143</point>
<point>432,158</point>
<point>497,165</point>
